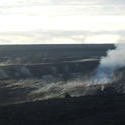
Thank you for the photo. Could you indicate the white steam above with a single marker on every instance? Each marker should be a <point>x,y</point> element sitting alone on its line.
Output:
<point>114,60</point>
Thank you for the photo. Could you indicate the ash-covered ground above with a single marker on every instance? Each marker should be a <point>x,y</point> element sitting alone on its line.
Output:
<point>59,76</point>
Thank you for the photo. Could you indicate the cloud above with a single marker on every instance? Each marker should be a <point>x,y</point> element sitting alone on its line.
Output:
<point>59,37</point>
<point>60,21</point>
<point>62,7</point>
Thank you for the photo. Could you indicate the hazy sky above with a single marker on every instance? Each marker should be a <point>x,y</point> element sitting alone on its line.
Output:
<point>61,21</point>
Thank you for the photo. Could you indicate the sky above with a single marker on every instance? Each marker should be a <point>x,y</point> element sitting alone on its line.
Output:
<point>61,21</point>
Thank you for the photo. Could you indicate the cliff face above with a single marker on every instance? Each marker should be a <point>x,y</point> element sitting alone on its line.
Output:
<point>64,69</point>
<point>39,60</point>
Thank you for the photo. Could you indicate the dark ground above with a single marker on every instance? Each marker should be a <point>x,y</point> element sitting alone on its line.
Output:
<point>87,110</point>
<point>107,108</point>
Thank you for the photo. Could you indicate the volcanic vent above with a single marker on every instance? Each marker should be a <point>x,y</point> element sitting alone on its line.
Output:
<point>110,72</point>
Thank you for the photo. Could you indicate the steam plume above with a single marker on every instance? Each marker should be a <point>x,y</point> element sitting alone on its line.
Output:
<point>114,60</point>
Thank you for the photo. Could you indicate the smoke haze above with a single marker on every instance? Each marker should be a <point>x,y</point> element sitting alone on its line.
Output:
<point>114,60</point>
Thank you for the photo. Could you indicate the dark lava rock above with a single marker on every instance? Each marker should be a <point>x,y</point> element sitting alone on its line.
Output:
<point>87,110</point>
